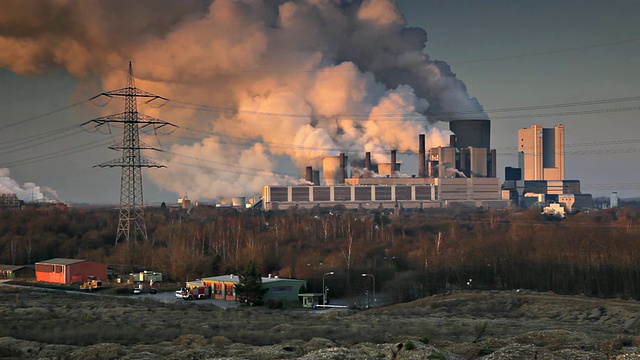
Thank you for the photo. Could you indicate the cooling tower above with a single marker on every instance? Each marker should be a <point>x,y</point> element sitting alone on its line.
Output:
<point>476,133</point>
<point>331,169</point>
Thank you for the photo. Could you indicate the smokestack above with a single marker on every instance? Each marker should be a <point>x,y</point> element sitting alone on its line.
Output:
<point>393,163</point>
<point>342,168</point>
<point>421,156</point>
<point>493,172</point>
<point>367,162</point>
<point>309,174</point>
<point>452,141</point>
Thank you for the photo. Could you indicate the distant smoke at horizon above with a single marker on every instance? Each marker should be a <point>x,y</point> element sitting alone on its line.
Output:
<point>27,192</point>
<point>345,69</point>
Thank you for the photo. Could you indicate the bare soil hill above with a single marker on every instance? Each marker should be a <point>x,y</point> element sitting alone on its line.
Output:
<point>464,325</point>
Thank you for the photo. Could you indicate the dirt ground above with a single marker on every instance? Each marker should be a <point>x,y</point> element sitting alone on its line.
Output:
<point>464,325</point>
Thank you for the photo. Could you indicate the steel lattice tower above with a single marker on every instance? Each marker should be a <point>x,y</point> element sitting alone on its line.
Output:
<point>131,224</point>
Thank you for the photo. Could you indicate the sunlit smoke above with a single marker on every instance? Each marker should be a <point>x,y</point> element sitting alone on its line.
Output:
<point>294,80</point>
<point>28,191</point>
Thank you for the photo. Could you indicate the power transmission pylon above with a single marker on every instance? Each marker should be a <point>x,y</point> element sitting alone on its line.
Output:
<point>131,225</point>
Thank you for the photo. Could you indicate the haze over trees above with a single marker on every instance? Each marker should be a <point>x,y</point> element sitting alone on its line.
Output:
<point>595,254</point>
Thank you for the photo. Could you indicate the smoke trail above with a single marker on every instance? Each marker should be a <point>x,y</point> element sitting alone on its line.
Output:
<point>27,192</point>
<point>340,66</point>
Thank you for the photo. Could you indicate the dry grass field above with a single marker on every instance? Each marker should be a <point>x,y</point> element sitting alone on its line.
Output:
<point>464,325</point>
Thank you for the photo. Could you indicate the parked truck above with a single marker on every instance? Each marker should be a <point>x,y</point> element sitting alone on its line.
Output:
<point>196,292</point>
<point>92,283</point>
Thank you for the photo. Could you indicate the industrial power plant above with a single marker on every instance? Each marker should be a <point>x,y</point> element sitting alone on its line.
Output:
<point>463,173</point>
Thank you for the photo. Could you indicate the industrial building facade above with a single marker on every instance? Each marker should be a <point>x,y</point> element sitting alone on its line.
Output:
<point>388,193</point>
<point>541,152</point>
<point>540,178</point>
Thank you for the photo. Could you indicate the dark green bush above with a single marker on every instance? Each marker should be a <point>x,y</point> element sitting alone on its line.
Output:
<point>275,304</point>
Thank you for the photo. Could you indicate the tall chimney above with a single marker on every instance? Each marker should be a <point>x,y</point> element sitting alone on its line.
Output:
<point>452,141</point>
<point>494,167</point>
<point>342,168</point>
<point>309,174</point>
<point>367,163</point>
<point>421,156</point>
<point>393,163</point>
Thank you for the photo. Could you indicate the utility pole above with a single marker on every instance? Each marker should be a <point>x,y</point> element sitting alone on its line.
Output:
<point>131,225</point>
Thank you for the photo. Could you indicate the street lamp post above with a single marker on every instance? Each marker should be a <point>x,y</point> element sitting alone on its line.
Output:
<point>374,286</point>
<point>324,289</point>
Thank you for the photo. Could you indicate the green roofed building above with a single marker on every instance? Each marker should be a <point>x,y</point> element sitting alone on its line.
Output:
<point>223,287</point>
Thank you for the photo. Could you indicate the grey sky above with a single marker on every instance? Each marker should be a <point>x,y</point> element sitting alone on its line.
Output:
<point>464,33</point>
<point>509,54</point>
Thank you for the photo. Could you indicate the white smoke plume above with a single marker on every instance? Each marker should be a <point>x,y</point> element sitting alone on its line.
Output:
<point>27,192</point>
<point>301,79</point>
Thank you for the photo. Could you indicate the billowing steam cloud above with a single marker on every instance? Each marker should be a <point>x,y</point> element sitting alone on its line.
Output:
<point>302,79</point>
<point>27,192</point>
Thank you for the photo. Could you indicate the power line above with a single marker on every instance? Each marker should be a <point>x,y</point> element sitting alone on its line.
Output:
<point>21,122</point>
<point>548,52</point>
<point>235,169</point>
<point>441,116</point>
<point>10,143</point>
<point>25,147</point>
<point>51,155</point>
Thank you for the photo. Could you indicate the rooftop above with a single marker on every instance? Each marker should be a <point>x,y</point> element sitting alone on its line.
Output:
<point>61,261</point>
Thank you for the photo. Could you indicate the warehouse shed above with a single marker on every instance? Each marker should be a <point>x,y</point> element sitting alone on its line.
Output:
<point>16,271</point>
<point>69,271</point>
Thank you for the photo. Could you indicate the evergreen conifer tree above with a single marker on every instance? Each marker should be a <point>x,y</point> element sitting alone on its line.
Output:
<point>249,289</point>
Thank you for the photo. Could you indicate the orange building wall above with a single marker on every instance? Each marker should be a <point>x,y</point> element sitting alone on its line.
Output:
<point>51,277</point>
<point>74,273</point>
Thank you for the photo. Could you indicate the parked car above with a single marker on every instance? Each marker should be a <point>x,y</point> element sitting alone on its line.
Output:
<point>178,294</point>
<point>137,291</point>
<point>153,291</point>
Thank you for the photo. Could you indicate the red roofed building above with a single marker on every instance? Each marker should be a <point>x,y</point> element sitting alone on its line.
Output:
<point>69,271</point>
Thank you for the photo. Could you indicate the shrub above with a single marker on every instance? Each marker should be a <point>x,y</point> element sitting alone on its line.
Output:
<point>409,345</point>
<point>424,340</point>
<point>480,328</point>
<point>436,355</point>
<point>275,304</point>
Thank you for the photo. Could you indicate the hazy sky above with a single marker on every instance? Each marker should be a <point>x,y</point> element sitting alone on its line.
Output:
<point>575,61</point>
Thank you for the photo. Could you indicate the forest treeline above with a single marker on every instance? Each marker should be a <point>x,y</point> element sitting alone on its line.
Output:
<point>408,256</point>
